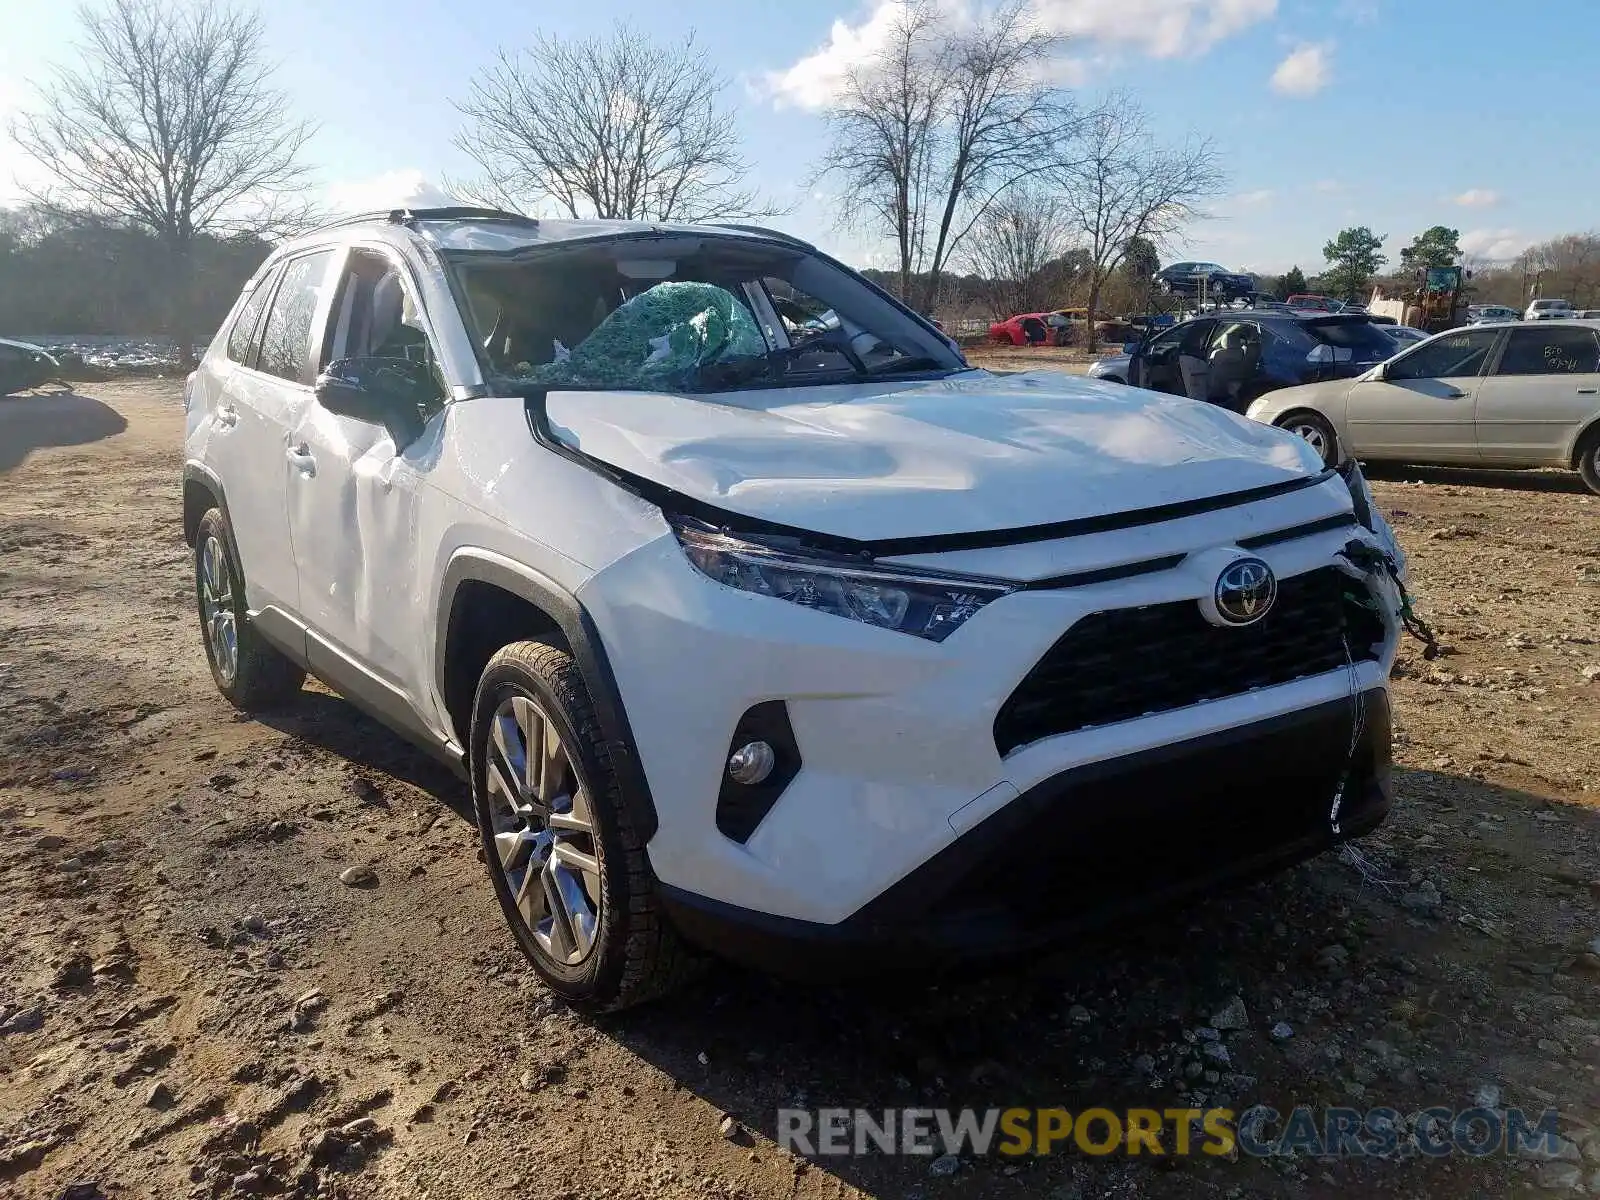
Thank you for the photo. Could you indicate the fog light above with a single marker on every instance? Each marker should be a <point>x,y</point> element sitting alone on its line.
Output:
<point>751,763</point>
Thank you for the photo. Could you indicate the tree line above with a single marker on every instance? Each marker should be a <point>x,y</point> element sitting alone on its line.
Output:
<point>81,273</point>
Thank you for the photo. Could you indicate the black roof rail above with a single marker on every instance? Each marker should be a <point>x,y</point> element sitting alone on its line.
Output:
<point>764,232</point>
<point>410,216</point>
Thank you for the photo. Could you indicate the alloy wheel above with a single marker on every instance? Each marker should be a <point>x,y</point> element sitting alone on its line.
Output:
<point>216,608</point>
<point>1312,434</point>
<point>544,836</point>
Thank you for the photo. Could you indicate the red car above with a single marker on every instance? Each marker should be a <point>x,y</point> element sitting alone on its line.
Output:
<point>1024,329</point>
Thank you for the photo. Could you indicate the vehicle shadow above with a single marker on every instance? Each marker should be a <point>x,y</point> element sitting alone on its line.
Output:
<point>1329,948</point>
<point>1521,481</point>
<point>36,421</point>
<point>332,723</point>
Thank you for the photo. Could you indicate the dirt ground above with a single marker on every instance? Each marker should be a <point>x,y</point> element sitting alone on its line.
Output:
<point>193,1004</point>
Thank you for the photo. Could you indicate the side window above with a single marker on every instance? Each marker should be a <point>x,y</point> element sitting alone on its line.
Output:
<point>1164,344</point>
<point>374,318</point>
<point>286,337</point>
<point>1558,350</point>
<point>242,337</point>
<point>1448,356</point>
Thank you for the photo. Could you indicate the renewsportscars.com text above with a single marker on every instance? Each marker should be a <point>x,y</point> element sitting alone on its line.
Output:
<point>1259,1131</point>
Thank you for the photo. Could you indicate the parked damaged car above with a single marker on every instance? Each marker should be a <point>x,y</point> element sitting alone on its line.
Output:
<point>24,366</point>
<point>1231,359</point>
<point>799,642</point>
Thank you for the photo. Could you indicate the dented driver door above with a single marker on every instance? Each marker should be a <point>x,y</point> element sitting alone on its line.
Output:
<point>354,496</point>
<point>353,506</point>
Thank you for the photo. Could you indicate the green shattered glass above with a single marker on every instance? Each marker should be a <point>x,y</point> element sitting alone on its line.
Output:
<point>658,339</point>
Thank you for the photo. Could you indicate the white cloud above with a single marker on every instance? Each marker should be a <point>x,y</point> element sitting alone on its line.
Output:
<point>815,79</point>
<point>404,188</point>
<point>1327,186</point>
<point>1157,28</point>
<point>1304,72</point>
<point>1259,196</point>
<point>1493,244</point>
<point>1478,198</point>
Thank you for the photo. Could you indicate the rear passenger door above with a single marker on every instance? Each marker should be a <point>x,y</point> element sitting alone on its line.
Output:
<point>268,393</point>
<point>247,422</point>
<point>1546,383</point>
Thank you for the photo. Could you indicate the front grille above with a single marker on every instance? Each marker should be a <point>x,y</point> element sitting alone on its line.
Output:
<point>1131,662</point>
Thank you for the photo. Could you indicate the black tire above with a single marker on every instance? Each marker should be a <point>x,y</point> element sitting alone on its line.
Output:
<point>261,678</point>
<point>634,955</point>
<point>1305,424</point>
<point>1589,460</point>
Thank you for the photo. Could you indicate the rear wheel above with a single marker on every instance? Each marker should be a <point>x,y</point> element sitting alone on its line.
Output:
<point>1589,461</point>
<point>249,672</point>
<point>566,864</point>
<point>1316,432</point>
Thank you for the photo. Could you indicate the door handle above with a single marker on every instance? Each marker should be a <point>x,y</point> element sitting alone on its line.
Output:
<point>1453,393</point>
<point>301,458</point>
<point>1588,391</point>
<point>227,417</point>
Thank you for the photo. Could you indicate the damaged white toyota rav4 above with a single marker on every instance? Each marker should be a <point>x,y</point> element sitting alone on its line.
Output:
<point>759,621</point>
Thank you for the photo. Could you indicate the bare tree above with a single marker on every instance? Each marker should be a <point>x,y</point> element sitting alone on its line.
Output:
<point>169,124</point>
<point>945,119</point>
<point>1015,247</point>
<point>607,127</point>
<point>1124,185</point>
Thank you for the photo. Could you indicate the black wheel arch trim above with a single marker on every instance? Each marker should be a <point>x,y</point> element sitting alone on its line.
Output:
<point>194,472</point>
<point>588,651</point>
<point>673,501</point>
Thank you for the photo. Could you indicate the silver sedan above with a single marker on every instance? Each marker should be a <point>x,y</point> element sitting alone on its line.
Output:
<point>1524,395</point>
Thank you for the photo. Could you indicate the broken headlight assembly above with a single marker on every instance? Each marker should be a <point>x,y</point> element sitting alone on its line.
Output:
<point>924,604</point>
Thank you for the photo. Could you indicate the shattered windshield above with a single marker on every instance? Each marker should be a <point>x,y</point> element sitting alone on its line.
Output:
<point>685,314</point>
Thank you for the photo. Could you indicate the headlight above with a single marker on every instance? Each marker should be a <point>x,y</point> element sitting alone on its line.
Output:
<point>924,604</point>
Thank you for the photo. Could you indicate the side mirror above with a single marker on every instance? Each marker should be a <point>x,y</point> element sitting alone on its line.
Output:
<point>1130,348</point>
<point>379,391</point>
<point>1379,373</point>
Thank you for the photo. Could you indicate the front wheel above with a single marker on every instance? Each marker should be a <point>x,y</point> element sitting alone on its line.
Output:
<point>1316,432</point>
<point>566,864</point>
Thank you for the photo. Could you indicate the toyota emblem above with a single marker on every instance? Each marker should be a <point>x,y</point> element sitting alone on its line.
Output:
<point>1245,591</point>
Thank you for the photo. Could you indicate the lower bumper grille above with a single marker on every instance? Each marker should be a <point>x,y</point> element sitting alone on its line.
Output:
<point>1131,662</point>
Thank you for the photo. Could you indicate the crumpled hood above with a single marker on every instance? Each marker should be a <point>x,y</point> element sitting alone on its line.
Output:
<point>971,453</point>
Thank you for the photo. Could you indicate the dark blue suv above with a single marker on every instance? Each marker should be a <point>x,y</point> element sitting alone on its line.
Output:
<point>1232,358</point>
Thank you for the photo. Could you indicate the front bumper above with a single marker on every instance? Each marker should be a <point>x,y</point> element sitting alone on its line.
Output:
<point>897,738</point>
<point>1092,844</point>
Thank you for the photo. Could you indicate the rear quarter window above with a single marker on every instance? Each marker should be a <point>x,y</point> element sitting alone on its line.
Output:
<point>242,337</point>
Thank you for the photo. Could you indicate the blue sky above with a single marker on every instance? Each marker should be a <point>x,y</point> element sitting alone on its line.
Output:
<point>1398,114</point>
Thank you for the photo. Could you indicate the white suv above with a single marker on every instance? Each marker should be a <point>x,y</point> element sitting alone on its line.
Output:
<point>1549,310</point>
<point>760,622</point>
